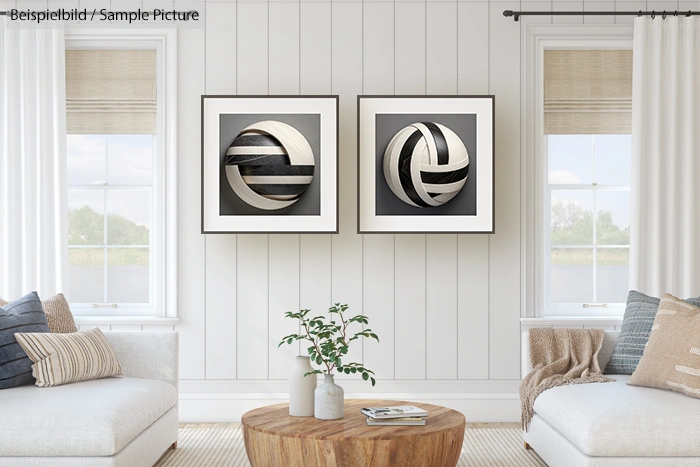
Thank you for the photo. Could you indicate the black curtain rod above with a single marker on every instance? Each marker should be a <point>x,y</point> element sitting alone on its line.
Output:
<point>517,14</point>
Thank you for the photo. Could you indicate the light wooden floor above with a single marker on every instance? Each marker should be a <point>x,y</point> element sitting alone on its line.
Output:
<point>204,426</point>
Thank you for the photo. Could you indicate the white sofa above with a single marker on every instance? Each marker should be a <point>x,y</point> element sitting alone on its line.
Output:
<point>127,421</point>
<point>613,424</point>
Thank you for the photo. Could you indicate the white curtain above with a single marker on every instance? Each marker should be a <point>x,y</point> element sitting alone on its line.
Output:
<point>33,206</point>
<point>665,228</point>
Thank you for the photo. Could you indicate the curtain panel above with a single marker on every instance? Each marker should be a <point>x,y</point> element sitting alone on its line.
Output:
<point>665,227</point>
<point>33,206</point>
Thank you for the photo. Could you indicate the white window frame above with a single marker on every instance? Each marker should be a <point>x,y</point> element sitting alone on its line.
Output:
<point>164,233</point>
<point>534,219</point>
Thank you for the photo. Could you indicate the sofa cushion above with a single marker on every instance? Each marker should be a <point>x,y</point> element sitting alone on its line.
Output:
<point>91,418</point>
<point>615,420</point>
<point>22,315</point>
<point>636,326</point>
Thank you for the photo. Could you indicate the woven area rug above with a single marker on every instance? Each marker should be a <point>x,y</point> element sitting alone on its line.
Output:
<point>210,447</point>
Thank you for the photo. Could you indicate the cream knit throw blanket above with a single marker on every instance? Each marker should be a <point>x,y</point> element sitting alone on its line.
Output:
<point>560,357</point>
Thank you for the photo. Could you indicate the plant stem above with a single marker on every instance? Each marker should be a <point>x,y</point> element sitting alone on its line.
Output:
<point>318,351</point>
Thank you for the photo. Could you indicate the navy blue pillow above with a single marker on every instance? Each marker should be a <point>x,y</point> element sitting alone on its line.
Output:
<point>23,315</point>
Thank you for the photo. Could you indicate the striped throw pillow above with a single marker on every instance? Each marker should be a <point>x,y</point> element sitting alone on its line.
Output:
<point>58,313</point>
<point>23,315</point>
<point>672,357</point>
<point>68,358</point>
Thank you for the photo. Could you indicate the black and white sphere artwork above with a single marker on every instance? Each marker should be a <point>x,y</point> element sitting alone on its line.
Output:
<point>426,164</point>
<point>270,165</point>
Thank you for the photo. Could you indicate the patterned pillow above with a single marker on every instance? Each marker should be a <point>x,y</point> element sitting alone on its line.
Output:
<point>68,358</point>
<point>58,314</point>
<point>672,358</point>
<point>634,335</point>
<point>25,314</point>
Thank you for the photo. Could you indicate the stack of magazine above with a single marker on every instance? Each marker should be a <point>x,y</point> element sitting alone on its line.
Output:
<point>403,415</point>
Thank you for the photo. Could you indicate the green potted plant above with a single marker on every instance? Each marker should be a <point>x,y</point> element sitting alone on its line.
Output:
<point>330,339</point>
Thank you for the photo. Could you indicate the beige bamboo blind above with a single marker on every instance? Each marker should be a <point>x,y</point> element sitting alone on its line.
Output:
<point>111,91</point>
<point>587,91</point>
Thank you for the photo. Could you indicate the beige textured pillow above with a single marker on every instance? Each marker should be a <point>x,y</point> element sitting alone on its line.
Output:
<point>671,359</point>
<point>57,312</point>
<point>68,358</point>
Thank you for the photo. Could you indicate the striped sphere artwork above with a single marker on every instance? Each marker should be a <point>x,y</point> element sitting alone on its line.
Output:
<point>426,164</point>
<point>270,165</point>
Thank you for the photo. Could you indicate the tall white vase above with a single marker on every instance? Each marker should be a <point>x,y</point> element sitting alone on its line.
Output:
<point>330,400</point>
<point>301,389</point>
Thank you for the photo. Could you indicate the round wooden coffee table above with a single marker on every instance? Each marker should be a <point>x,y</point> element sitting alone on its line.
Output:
<point>273,438</point>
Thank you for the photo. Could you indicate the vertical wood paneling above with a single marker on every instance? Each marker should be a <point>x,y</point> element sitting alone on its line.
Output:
<point>347,245</point>
<point>378,286</point>
<point>567,6</point>
<point>252,21</point>
<point>283,255</point>
<point>252,250</point>
<point>441,250</point>
<point>284,296</point>
<point>284,47</point>
<point>252,307</point>
<point>504,245</point>
<point>473,250</point>
<point>598,6</point>
<point>409,250</point>
<point>441,307</point>
<point>315,275</point>
<point>441,44</point>
<point>378,252</point>
<point>473,60</point>
<point>315,258</point>
<point>473,307</point>
<point>378,48</point>
<point>409,306</point>
<point>410,61</point>
<point>315,48</point>
<point>220,249</point>
<point>628,6</point>
<point>191,294</point>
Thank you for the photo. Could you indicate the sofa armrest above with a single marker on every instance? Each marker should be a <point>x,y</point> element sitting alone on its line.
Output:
<point>150,355</point>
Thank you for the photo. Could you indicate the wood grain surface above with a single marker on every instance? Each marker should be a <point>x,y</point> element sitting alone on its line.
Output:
<point>273,438</point>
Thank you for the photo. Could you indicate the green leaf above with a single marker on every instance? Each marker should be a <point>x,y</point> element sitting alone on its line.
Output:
<point>373,381</point>
<point>365,376</point>
<point>354,370</point>
<point>319,360</point>
<point>290,340</point>
<point>347,370</point>
<point>337,361</point>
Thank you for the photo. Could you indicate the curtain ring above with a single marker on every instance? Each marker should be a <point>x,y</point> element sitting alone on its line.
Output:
<point>675,13</point>
<point>664,15</point>
<point>653,14</point>
<point>640,14</point>
<point>688,15</point>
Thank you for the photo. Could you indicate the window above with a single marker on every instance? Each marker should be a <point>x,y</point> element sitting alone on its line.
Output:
<point>120,173</point>
<point>584,151</point>
<point>110,219</point>
<point>588,194</point>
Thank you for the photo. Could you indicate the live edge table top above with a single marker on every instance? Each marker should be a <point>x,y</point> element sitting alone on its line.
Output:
<point>275,420</point>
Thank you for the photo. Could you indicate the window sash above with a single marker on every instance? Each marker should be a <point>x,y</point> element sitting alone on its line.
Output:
<point>567,308</point>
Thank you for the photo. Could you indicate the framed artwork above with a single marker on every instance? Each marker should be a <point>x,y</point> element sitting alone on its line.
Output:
<point>425,164</point>
<point>269,164</point>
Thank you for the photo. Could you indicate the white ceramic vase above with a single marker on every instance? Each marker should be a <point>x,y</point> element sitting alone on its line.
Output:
<point>330,400</point>
<point>301,389</point>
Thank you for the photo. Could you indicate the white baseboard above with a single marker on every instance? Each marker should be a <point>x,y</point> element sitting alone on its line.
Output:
<point>227,407</point>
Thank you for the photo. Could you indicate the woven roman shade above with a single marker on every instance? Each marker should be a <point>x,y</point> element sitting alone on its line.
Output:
<point>111,91</point>
<point>587,91</point>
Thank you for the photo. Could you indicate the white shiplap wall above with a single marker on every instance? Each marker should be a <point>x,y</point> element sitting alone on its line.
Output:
<point>446,307</point>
